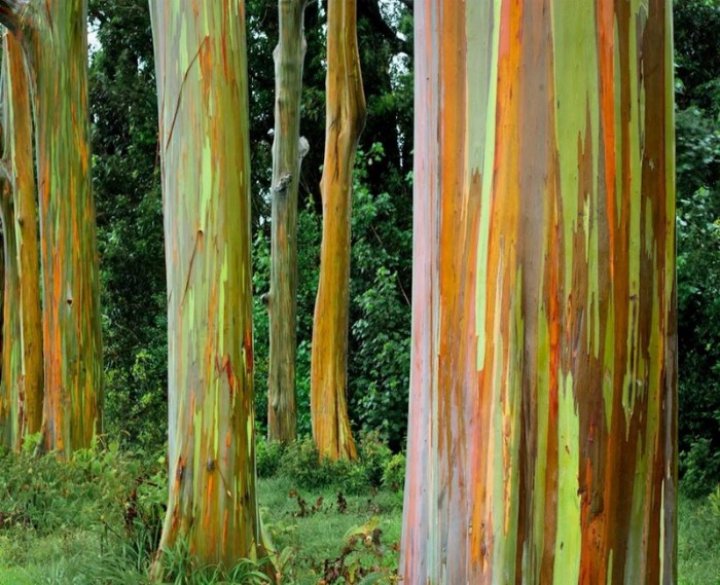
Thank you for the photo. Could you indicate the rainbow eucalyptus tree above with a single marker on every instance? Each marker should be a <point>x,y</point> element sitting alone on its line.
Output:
<point>345,118</point>
<point>10,415</point>
<point>200,60</point>
<point>53,35</point>
<point>288,151</point>
<point>22,369</point>
<point>543,396</point>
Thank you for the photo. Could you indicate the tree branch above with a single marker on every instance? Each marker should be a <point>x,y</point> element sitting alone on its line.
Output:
<point>371,10</point>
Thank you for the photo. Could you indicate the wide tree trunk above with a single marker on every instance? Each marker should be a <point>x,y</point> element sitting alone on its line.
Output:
<point>71,281</point>
<point>54,36</point>
<point>288,151</point>
<point>200,60</point>
<point>22,379</point>
<point>542,434</point>
<point>345,117</point>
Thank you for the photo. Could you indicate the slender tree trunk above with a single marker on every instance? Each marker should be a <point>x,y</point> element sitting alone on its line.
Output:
<point>200,60</point>
<point>3,402</point>
<point>542,435</point>
<point>12,410</point>
<point>345,117</point>
<point>22,379</point>
<point>288,151</point>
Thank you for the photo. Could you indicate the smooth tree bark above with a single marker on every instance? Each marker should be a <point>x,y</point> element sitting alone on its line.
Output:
<point>10,407</point>
<point>200,59</point>
<point>345,118</point>
<point>54,36</point>
<point>542,433</point>
<point>22,372</point>
<point>288,150</point>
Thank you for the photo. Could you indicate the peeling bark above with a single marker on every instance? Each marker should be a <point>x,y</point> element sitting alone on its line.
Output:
<point>542,433</point>
<point>22,379</point>
<point>288,152</point>
<point>72,341</point>
<point>11,408</point>
<point>345,118</point>
<point>200,60</point>
<point>26,226</point>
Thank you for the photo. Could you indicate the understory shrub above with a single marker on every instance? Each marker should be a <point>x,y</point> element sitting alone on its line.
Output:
<point>374,457</point>
<point>100,514</point>
<point>699,468</point>
<point>394,473</point>
<point>268,456</point>
<point>300,462</point>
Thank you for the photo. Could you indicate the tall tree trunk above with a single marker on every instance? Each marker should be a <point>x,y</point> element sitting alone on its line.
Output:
<point>71,288</point>
<point>542,435</point>
<point>200,60</point>
<point>54,35</point>
<point>288,151</point>
<point>11,409</point>
<point>345,117</point>
<point>22,379</point>
<point>4,405</point>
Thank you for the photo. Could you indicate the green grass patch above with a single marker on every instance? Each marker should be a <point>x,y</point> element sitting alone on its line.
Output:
<point>315,528</point>
<point>699,540</point>
<point>96,521</point>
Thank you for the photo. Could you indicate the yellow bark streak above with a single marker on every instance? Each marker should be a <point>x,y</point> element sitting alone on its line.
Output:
<point>345,119</point>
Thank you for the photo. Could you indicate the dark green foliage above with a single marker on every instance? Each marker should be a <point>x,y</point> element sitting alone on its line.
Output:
<point>112,502</point>
<point>380,288</point>
<point>374,457</point>
<point>701,467</point>
<point>44,494</point>
<point>300,464</point>
<point>268,456</point>
<point>394,473</point>
<point>130,228</point>
<point>697,45</point>
<point>379,357</point>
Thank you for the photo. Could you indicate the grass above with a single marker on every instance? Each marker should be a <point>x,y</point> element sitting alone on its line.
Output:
<point>699,541</point>
<point>78,536</point>
<point>64,524</point>
<point>315,529</point>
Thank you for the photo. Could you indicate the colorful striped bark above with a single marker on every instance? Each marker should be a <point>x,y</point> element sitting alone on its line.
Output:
<point>11,408</point>
<point>22,382</point>
<point>288,152</point>
<point>200,60</point>
<point>542,435</point>
<point>345,118</point>
<point>53,34</point>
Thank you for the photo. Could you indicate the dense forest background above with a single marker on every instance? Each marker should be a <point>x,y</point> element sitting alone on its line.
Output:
<point>127,189</point>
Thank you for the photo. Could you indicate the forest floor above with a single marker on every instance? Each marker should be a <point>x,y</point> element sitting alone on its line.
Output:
<point>61,527</point>
<point>319,534</point>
